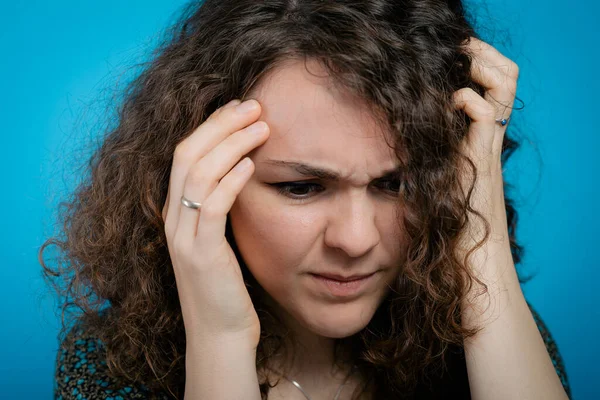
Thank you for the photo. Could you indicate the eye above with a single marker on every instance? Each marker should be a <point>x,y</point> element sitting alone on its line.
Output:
<point>392,185</point>
<point>302,191</point>
<point>296,190</point>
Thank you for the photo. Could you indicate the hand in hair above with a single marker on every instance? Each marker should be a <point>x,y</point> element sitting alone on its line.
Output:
<point>206,168</point>
<point>483,142</point>
<point>508,354</point>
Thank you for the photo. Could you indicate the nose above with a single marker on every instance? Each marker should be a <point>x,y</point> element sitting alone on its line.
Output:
<point>352,225</point>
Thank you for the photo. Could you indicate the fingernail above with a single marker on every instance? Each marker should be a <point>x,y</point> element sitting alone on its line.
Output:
<point>247,106</point>
<point>257,128</point>
<point>243,165</point>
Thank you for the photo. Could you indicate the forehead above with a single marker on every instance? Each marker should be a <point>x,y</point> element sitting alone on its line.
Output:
<point>312,121</point>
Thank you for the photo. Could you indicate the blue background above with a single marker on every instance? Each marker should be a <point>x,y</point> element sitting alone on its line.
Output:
<point>61,62</point>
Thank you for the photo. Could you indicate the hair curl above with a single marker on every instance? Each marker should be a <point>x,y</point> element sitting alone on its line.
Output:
<point>404,57</point>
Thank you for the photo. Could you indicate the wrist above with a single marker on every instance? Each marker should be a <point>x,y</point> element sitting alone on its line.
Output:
<point>209,342</point>
<point>212,364</point>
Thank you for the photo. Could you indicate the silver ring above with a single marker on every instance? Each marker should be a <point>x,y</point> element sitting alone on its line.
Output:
<point>503,121</point>
<point>190,204</point>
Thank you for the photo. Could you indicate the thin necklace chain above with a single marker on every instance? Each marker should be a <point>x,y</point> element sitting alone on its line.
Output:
<point>337,393</point>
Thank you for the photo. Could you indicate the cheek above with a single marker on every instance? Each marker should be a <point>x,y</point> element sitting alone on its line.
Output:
<point>273,240</point>
<point>394,236</point>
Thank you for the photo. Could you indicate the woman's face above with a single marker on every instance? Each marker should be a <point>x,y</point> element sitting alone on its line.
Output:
<point>345,227</point>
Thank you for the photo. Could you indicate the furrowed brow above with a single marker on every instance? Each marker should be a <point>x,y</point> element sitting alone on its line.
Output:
<point>322,172</point>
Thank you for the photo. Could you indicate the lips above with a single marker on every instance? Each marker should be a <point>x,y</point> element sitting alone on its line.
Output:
<point>342,288</point>
<point>342,278</point>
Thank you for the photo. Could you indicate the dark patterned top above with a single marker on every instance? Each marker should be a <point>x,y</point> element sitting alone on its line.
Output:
<point>81,372</point>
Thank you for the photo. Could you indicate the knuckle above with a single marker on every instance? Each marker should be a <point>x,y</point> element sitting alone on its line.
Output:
<point>462,94</point>
<point>488,112</point>
<point>211,210</point>
<point>468,93</point>
<point>181,150</point>
<point>179,246</point>
<point>196,175</point>
<point>217,112</point>
<point>513,69</point>
<point>221,113</point>
<point>216,120</point>
<point>227,105</point>
<point>212,122</point>
<point>510,74</point>
<point>497,78</point>
<point>226,114</point>
<point>213,115</point>
<point>227,184</point>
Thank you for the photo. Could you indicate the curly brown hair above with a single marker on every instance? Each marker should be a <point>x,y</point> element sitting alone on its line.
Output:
<point>404,57</point>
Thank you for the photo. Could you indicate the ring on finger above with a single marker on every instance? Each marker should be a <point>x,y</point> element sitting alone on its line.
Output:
<point>503,121</point>
<point>190,204</point>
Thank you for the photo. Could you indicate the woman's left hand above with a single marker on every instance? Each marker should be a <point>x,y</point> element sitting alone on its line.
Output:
<point>508,358</point>
<point>483,144</point>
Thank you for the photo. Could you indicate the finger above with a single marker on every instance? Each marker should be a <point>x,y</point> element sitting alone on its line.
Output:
<point>489,52</point>
<point>496,73</point>
<point>165,209</point>
<point>482,131</point>
<point>211,132</point>
<point>211,224</point>
<point>206,174</point>
<point>232,103</point>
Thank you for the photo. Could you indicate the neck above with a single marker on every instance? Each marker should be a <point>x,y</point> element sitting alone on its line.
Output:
<point>309,357</point>
<point>326,384</point>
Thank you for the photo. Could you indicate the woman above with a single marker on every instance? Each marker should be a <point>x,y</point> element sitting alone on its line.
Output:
<point>304,200</point>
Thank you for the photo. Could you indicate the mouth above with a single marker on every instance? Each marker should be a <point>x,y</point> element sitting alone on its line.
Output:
<point>341,278</point>
<point>343,286</point>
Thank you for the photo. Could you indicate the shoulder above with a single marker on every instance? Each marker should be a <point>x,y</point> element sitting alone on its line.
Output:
<point>81,371</point>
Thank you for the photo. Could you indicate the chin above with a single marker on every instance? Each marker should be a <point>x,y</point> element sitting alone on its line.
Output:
<point>336,332</point>
<point>337,323</point>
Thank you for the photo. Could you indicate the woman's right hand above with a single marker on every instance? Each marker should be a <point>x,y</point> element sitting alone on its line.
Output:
<point>215,303</point>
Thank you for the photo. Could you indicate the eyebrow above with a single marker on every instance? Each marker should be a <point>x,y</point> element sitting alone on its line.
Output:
<point>322,172</point>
